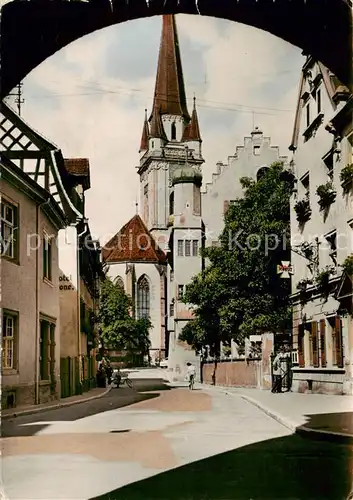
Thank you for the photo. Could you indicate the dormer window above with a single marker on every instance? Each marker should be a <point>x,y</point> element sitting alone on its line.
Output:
<point>173,131</point>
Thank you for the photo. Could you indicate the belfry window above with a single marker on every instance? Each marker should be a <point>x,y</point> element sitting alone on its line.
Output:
<point>143,298</point>
<point>173,131</point>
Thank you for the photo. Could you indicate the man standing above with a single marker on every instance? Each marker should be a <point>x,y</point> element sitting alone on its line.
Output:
<point>276,371</point>
<point>191,372</point>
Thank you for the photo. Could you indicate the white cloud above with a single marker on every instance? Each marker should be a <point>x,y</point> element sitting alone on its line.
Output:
<point>242,65</point>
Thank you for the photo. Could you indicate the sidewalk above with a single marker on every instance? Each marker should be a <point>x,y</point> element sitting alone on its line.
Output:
<point>53,405</point>
<point>316,414</point>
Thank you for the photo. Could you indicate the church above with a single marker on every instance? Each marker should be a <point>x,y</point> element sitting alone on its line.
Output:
<point>157,253</point>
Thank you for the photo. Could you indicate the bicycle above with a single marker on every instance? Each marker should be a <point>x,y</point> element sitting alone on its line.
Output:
<point>124,380</point>
<point>191,382</point>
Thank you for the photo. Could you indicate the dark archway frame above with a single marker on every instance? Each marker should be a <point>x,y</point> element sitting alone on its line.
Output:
<point>33,30</point>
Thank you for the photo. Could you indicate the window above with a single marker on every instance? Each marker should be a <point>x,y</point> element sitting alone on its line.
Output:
<point>143,298</point>
<point>337,346</point>
<point>256,150</point>
<point>152,144</point>
<point>195,248</point>
<point>171,309</point>
<point>328,160</point>
<point>187,248</point>
<point>173,131</point>
<point>314,345</point>
<point>260,173</point>
<point>323,343</point>
<point>9,230</point>
<point>180,291</point>
<point>8,341</point>
<point>47,258</point>
<point>119,282</point>
<point>180,248</point>
<point>308,115</point>
<point>332,244</point>
<point>171,203</point>
<point>145,190</point>
<point>318,101</point>
<point>47,350</point>
<point>171,276</point>
<point>305,180</point>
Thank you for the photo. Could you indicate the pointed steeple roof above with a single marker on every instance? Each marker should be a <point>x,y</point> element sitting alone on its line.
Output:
<point>169,95</point>
<point>156,127</point>
<point>133,243</point>
<point>145,135</point>
<point>192,130</point>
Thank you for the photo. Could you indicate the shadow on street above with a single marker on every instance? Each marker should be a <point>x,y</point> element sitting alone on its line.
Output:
<point>288,468</point>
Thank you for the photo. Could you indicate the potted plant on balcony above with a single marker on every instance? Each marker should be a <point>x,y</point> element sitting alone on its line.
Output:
<point>346,178</point>
<point>303,284</point>
<point>303,210</point>
<point>348,265</point>
<point>322,280</point>
<point>326,194</point>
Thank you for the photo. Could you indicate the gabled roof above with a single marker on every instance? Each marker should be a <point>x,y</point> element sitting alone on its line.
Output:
<point>145,135</point>
<point>192,130</point>
<point>169,95</point>
<point>79,168</point>
<point>334,89</point>
<point>133,243</point>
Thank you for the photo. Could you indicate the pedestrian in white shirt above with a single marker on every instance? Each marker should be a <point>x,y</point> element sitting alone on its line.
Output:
<point>191,372</point>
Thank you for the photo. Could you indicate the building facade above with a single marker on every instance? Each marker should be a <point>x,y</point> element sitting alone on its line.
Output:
<point>322,233</point>
<point>37,201</point>
<point>80,272</point>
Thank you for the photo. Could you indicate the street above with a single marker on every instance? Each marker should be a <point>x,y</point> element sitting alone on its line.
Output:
<point>162,442</point>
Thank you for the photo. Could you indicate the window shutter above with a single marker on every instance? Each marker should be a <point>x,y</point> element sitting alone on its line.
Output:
<point>16,240</point>
<point>225,206</point>
<point>301,346</point>
<point>315,344</point>
<point>323,342</point>
<point>339,346</point>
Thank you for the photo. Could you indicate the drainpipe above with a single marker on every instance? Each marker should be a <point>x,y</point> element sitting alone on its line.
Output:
<point>85,221</point>
<point>36,355</point>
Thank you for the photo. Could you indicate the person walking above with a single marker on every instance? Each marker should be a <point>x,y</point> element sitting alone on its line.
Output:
<point>276,372</point>
<point>191,372</point>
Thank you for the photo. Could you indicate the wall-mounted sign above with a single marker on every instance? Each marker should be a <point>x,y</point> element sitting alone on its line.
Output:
<point>285,269</point>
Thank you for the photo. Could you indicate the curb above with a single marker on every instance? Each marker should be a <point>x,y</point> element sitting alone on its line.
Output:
<point>301,430</point>
<point>52,407</point>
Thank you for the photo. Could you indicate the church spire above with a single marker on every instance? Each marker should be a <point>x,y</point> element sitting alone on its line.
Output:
<point>169,95</point>
<point>192,131</point>
<point>145,135</point>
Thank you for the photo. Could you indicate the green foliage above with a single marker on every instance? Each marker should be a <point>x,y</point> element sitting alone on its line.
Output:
<point>303,210</point>
<point>346,177</point>
<point>348,265</point>
<point>240,293</point>
<point>326,194</point>
<point>118,329</point>
<point>322,280</point>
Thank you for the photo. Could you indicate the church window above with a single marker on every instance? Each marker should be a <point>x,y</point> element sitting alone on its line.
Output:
<point>119,282</point>
<point>180,248</point>
<point>173,131</point>
<point>195,248</point>
<point>187,248</point>
<point>143,298</point>
<point>171,203</point>
<point>256,150</point>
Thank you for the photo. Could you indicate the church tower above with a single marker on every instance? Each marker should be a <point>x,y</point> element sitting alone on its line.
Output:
<point>170,181</point>
<point>165,135</point>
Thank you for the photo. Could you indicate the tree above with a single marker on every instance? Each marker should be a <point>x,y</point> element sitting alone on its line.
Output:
<point>119,330</point>
<point>239,293</point>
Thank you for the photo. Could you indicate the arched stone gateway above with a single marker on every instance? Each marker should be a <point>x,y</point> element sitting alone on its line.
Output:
<point>33,30</point>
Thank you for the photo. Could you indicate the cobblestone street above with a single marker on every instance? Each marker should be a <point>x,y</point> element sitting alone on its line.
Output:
<point>197,445</point>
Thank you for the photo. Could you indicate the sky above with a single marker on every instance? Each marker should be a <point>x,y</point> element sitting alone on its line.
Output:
<point>89,99</point>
